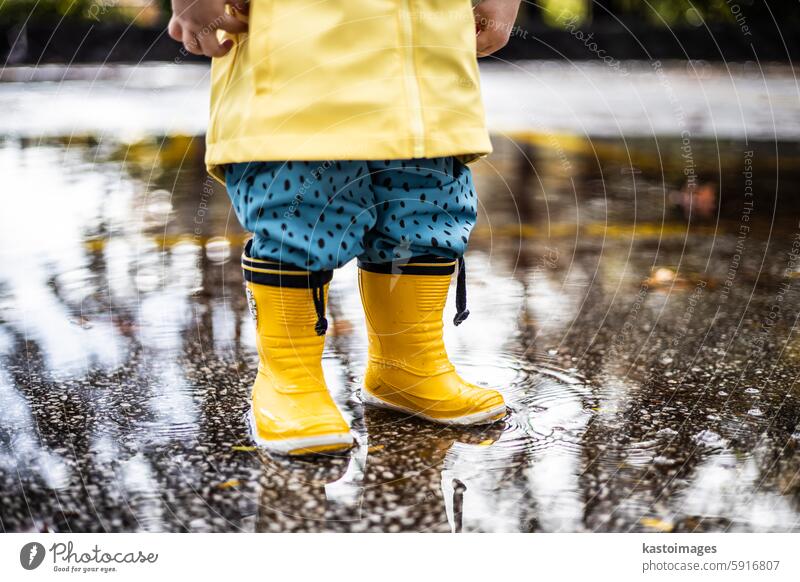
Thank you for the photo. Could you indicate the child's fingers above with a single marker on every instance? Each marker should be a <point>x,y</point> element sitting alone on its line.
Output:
<point>490,41</point>
<point>232,24</point>
<point>211,47</point>
<point>481,44</point>
<point>485,44</point>
<point>174,30</point>
<point>241,7</point>
<point>190,42</point>
<point>494,21</point>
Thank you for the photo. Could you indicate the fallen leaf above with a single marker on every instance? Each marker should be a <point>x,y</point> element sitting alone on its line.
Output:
<point>655,523</point>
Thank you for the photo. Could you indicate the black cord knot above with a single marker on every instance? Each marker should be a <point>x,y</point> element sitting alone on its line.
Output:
<point>461,293</point>
<point>318,293</point>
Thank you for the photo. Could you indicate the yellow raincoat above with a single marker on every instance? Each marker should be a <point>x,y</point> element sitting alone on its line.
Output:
<point>348,80</point>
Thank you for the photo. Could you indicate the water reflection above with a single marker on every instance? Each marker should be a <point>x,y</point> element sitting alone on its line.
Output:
<point>649,388</point>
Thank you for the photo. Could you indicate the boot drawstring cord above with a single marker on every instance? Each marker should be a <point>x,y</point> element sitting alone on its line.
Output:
<point>318,293</point>
<point>461,293</point>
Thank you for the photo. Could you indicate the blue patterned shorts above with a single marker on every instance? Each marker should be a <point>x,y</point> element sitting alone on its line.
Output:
<point>320,215</point>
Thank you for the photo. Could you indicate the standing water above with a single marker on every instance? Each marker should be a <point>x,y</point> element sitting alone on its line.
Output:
<point>640,330</point>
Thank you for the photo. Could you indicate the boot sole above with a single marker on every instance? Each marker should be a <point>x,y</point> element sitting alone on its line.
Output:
<point>485,417</point>
<point>324,443</point>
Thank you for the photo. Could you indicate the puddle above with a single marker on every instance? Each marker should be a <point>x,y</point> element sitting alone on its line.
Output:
<point>649,374</point>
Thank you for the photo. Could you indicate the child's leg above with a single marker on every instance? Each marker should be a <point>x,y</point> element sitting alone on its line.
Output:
<point>426,209</point>
<point>307,218</point>
<point>307,214</point>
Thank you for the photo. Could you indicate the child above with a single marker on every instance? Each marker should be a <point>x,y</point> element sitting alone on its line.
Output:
<point>341,129</point>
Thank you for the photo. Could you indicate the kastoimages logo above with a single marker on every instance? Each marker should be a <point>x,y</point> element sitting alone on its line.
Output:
<point>31,555</point>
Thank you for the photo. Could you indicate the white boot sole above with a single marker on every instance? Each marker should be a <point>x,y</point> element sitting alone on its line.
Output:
<point>300,446</point>
<point>485,417</point>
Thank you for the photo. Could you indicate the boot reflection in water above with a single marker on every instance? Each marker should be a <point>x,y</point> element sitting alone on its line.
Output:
<point>295,495</point>
<point>407,222</point>
<point>375,488</point>
<point>403,488</point>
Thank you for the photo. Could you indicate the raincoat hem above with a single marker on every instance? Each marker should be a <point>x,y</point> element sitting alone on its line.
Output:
<point>466,144</point>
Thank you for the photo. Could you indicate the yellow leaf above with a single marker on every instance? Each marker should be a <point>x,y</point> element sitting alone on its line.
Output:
<point>229,483</point>
<point>486,443</point>
<point>655,523</point>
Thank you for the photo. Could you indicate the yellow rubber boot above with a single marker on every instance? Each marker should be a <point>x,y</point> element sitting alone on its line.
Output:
<point>408,368</point>
<point>292,411</point>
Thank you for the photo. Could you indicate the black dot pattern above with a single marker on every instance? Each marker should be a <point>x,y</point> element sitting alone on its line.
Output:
<point>320,215</point>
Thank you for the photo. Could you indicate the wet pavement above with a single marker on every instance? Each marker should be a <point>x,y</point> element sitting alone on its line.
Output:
<point>644,336</point>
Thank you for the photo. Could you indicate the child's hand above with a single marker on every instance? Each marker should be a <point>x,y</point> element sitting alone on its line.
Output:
<point>195,24</point>
<point>494,20</point>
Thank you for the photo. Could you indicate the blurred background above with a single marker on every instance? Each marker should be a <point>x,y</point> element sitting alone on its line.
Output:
<point>633,282</point>
<point>80,31</point>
